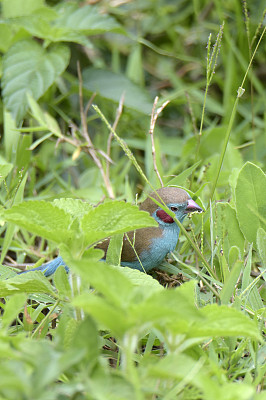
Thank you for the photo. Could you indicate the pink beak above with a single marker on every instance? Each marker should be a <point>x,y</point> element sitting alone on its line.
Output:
<point>192,206</point>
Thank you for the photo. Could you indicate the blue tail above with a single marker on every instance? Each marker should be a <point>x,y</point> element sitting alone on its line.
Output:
<point>50,267</point>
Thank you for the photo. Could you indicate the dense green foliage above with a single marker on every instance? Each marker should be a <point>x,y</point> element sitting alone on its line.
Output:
<point>78,85</point>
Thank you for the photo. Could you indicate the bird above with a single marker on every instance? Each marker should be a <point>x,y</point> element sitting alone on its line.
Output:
<point>146,248</point>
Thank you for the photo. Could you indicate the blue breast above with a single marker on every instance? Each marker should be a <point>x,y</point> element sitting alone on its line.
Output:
<point>159,248</point>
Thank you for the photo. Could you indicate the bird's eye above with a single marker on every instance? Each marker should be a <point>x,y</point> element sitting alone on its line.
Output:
<point>174,209</point>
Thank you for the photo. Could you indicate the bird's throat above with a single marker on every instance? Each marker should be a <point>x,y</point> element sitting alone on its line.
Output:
<point>164,216</point>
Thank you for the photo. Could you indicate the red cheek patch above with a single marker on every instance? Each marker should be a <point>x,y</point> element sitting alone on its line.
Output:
<point>164,216</point>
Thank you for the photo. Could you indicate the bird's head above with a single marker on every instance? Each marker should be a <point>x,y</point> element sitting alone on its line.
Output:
<point>176,199</point>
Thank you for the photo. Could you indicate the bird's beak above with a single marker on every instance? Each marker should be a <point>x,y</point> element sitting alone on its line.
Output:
<point>192,206</point>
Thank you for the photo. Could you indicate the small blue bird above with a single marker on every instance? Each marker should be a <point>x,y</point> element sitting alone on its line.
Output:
<point>151,244</point>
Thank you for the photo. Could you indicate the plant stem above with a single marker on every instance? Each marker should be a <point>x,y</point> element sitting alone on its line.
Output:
<point>231,121</point>
<point>40,326</point>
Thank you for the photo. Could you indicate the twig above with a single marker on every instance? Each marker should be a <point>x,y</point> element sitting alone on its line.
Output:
<point>109,142</point>
<point>154,116</point>
<point>240,91</point>
<point>86,136</point>
<point>89,103</point>
<point>212,56</point>
<point>247,23</point>
<point>192,115</point>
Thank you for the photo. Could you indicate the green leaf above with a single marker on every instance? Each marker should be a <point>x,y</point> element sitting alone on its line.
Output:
<point>6,272</point>
<point>251,201</point>
<point>111,218</point>
<point>44,119</point>
<point>43,26</point>
<point>6,35</point>
<point>61,282</point>
<point>86,338</point>
<point>124,306</point>
<point>113,318</point>
<point>116,287</point>
<point>11,137</point>
<point>114,251</point>
<point>31,282</point>
<point>30,68</point>
<point>88,19</point>
<point>234,256</point>
<point>261,245</point>
<point>229,228</point>
<point>11,227</point>
<point>43,219</point>
<point>157,307</point>
<point>15,8</point>
<point>75,207</point>
<point>180,179</point>
<point>138,278</point>
<point>178,366</point>
<point>230,282</point>
<point>13,307</point>
<point>135,70</point>
<point>112,86</point>
<point>225,321</point>
<point>246,279</point>
<point>4,170</point>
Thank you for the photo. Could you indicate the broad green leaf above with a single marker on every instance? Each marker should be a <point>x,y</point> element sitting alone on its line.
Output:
<point>6,35</point>
<point>75,207</point>
<point>180,179</point>
<point>229,285</point>
<point>6,272</point>
<point>86,338</point>
<point>113,386</point>
<point>198,373</point>
<point>246,279</point>
<point>88,19</point>
<point>261,245</point>
<point>140,279</point>
<point>15,8</point>
<point>30,68</point>
<point>234,256</point>
<point>255,300</point>
<point>135,70</point>
<point>165,305</point>
<point>41,26</point>
<point>11,228</point>
<point>114,251</point>
<point>43,219</point>
<point>125,306</point>
<point>4,170</point>
<point>48,366</point>
<point>61,282</point>
<point>113,318</point>
<point>251,201</point>
<point>112,86</point>
<point>13,307</point>
<point>229,228</point>
<point>115,286</point>
<point>111,218</point>
<point>232,160</point>
<point>11,137</point>
<point>66,329</point>
<point>179,366</point>
<point>225,321</point>
<point>45,120</point>
<point>31,282</point>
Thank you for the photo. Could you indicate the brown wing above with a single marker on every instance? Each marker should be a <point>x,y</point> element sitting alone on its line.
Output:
<point>134,242</point>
